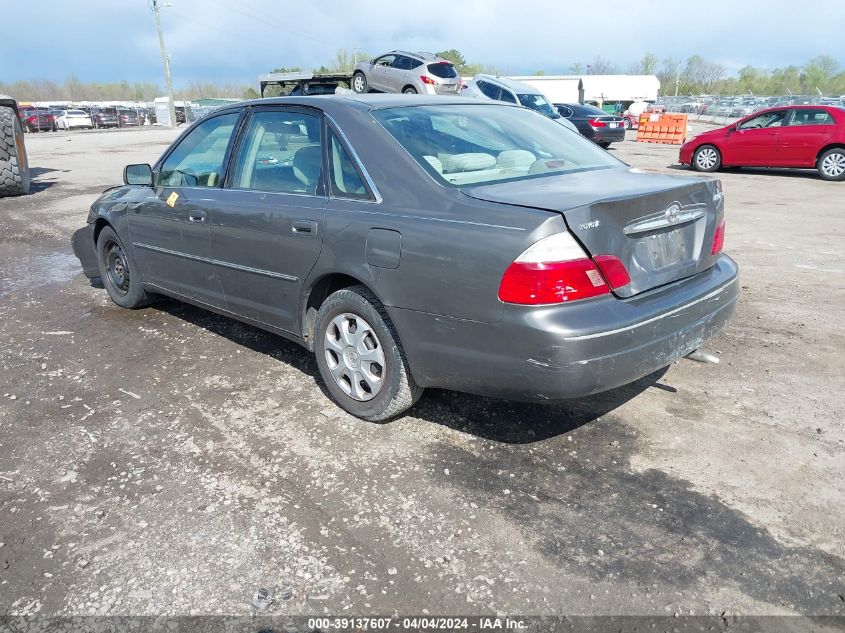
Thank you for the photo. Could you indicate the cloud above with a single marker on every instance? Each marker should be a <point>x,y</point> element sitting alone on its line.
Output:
<point>235,40</point>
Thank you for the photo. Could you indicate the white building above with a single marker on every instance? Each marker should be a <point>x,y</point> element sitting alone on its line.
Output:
<point>585,88</point>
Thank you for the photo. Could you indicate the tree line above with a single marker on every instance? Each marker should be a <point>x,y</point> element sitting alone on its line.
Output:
<point>691,76</point>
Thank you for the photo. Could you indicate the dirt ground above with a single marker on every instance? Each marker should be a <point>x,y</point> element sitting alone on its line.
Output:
<point>172,461</point>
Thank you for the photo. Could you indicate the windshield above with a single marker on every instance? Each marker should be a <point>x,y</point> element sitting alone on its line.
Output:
<point>538,103</point>
<point>468,144</point>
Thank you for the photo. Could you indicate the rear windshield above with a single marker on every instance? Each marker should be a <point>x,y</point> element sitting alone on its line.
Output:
<point>444,70</point>
<point>540,104</point>
<point>468,144</point>
<point>588,109</point>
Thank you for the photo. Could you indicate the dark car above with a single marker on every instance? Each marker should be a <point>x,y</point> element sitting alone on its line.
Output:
<point>105,117</point>
<point>805,136</point>
<point>437,242</point>
<point>38,120</point>
<point>128,118</point>
<point>594,123</point>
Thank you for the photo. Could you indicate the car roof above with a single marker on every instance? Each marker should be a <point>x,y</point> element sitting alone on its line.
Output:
<point>426,57</point>
<point>361,102</point>
<point>510,84</point>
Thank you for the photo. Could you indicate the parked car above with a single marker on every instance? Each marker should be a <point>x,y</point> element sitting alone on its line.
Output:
<point>409,73</point>
<point>38,120</point>
<point>70,119</point>
<point>595,124</point>
<point>809,137</point>
<point>514,92</point>
<point>451,244</point>
<point>105,117</point>
<point>128,118</point>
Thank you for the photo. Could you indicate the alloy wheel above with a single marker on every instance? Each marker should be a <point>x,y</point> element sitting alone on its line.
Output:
<point>833,165</point>
<point>355,356</point>
<point>707,158</point>
<point>358,83</point>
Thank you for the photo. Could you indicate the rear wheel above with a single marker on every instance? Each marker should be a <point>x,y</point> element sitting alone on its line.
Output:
<point>706,158</point>
<point>359,83</point>
<point>409,90</point>
<point>118,272</point>
<point>627,123</point>
<point>832,164</point>
<point>14,167</point>
<point>360,357</point>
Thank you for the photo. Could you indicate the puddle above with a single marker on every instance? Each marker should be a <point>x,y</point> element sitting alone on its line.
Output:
<point>30,268</point>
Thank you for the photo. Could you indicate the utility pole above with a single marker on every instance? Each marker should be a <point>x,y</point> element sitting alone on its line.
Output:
<point>677,78</point>
<point>165,60</point>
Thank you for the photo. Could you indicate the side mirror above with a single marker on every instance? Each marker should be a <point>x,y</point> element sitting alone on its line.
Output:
<point>141,174</point>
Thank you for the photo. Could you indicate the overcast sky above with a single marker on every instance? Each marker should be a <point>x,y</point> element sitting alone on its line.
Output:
<point>235,40</point>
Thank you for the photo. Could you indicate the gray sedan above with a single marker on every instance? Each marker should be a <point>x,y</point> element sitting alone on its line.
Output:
<point>443,242</point>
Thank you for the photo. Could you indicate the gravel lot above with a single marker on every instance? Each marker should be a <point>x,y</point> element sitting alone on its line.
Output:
<point>171,461</point>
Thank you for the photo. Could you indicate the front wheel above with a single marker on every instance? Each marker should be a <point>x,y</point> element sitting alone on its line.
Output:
<point>706,158</point>
<point>832,164</point>
<point>360,357</point>
<point>627,123</point>
<point>118,272</point>
<point>359,83</point>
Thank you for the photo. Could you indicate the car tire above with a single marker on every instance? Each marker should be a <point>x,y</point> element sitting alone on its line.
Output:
<point>14,166</point>
<point>831,164</point>
<point>409,90</point>
<point>707,158</point>
<point>386,388</point>
<point>627,123</point>
<point>359,83</point>
<point>118,272</point>
<point>604,145</point>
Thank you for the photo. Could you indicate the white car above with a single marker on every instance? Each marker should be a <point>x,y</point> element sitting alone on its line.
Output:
<point>70,119</point>
<point>512,91</point>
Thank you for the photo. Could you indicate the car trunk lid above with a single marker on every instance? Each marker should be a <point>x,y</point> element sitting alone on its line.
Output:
<point>660,227</point>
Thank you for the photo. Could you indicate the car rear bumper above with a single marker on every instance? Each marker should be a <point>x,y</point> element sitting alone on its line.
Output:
<point>609,135</point>
<point>569,351</point>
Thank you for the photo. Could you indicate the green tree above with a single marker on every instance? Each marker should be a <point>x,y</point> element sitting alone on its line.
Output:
<point>250,93</point>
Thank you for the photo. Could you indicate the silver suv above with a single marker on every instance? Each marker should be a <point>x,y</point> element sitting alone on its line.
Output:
<point>411,73</point>
<point>512,91</point>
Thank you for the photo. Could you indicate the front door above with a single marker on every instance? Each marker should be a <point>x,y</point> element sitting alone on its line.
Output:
<point>807,130</point>
<point>267,225</point>
<point>380,75</point>
<point>170,228</point>
<point>755,141</point>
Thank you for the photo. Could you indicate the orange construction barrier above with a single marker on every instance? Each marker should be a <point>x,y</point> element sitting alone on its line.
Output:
<point>668,129</point>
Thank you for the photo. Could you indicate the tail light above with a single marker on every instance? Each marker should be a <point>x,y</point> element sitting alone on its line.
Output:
<point>428,80</point>
<point>556,270</point>
<point>718,239</point>
<point>597,123</point>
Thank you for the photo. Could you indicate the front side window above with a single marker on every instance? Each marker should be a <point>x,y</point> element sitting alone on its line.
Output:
<point>345,180</point>
<point>469,144</point>
<point>199,159</point>
<point>768,119</point>
<point>387,60</point>
<point>280,152</point>
<point>811,117</point>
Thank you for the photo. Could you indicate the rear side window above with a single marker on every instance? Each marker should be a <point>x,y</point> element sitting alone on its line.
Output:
<point>444,70</point>
<point>346,182</point>
<point>811,117</point>
<point>507,96</point>
<point>402,63</point>
<point>489,89</point>
<point>198,160</point>
<point>280,152</point>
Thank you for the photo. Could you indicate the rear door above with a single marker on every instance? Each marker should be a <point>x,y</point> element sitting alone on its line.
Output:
<point>170,228</point>
<point>806,131</point>
<point>267,226</point>
<point>755,140</point>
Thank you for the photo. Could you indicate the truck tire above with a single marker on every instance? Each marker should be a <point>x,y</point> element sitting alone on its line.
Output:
<point>14,168</point>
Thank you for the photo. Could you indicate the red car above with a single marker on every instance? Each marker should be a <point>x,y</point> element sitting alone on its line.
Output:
<point>806,136</point>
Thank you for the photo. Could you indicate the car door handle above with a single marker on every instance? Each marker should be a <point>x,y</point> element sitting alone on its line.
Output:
<point>304,227</point>
<point>196,216</point>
